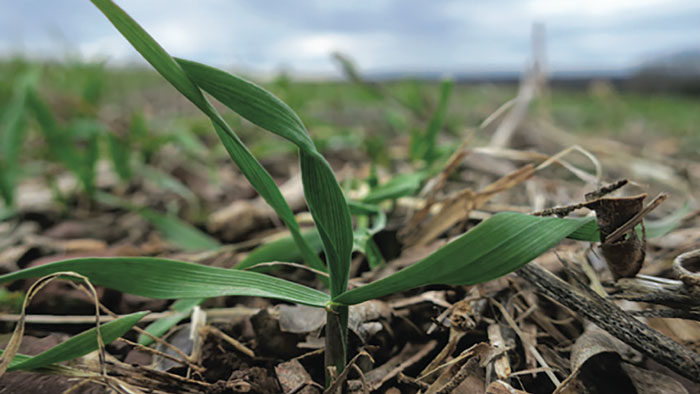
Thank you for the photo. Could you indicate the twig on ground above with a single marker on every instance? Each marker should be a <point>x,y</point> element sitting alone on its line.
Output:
<point>616,321</point>
<point>526,343</point>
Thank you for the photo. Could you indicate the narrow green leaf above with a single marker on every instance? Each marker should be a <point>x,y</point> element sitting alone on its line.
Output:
<point>283,249</point>
<point>173,229</point>
<point>84,150</point>
<point>323,194</point>
<point>163,278</point>
<point>423,146</point>
<point>251,102</point>
<point>178,232</point>
<point>171,71</point>
<point>13,126</point>
<point>268,190</point>
<point>331,215</point>
<point>363,241</point>
<point>120,152</point>
<point>360,208</point>
<point>182,309</point>
<point>168,182</point>
<point>63,143</point>
<point>78,345</point>
<point>588,232</point>
<point>152,52</point>
<point>13,121</point>
<point>399,186</point>
<point>495,247</point>
<point>663,226</point>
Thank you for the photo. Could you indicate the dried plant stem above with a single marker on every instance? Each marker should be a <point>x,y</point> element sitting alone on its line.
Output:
<point>527,344</point>
<point>616,321</point>
<point>636,219</point>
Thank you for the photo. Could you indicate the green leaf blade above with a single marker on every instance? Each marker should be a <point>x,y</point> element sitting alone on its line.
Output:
<point>283,249</point>
<point>152,52</point>
<point>158,328</point>
<point>78,345</point>
<point>179,232</point>
<point>250,101</point>
<point>399,186</point>
<point>323,194</point>
<point>163,278</point>
<point>331,215</point>
<point>495,247</point>
<point>268,190</point>
<point>173,73</point>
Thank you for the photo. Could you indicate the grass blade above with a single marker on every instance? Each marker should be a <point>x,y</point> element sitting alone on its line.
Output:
<point>363,234</point>
<point>171,71</point>
<point>323,194</point>
<point>250,101</point>
<point>13,126</point>
<point>283,249</point>
<point>173,229</point>
<point>495,247</point>
<point>659,227</point>
<point>423,146</point>
<point>399,186</point>
<point>179,232</point>
<point>168,182</point>
<point>163,278</point>
<point>120,153</point>
<point>63,142</point>
<point>78,345</point>
<point>182,307</point>
<point>152,52</point>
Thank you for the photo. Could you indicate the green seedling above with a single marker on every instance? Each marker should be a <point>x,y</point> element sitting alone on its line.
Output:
<point>424,145</point>
<point>173,229</point>
<point>495,247</point>
<point>75,145</point>
<point>13,126</point>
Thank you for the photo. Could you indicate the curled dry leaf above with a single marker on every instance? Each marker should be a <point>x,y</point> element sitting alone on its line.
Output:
<point>457,207</point>
<point>624,256</point>
<point>598,365</point>
<point>687,268</point>
<point>501,387</point>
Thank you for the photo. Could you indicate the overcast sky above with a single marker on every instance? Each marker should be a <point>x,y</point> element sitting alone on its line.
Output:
<point>381,35</point>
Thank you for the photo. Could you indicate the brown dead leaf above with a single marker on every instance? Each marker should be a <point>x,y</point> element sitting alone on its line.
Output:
<point>457,207</point>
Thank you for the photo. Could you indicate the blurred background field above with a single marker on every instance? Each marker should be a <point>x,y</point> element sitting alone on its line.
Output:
<point>122,114</point>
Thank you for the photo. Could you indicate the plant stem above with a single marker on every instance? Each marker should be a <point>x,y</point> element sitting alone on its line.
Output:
<point>336,340</point>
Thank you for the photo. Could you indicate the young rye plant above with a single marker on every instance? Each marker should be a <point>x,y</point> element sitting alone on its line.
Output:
<point>493,248</point>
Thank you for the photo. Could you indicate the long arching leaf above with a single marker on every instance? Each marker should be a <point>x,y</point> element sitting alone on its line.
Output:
<point>78,345</point>
<point>323,194</point>
<point>163,278</point>
<point>495,247</point>
<point>171,71</point>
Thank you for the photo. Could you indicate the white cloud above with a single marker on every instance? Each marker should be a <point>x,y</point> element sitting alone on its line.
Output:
<point>112,47</point>
<point>312,51</point>
<point>449,35</point>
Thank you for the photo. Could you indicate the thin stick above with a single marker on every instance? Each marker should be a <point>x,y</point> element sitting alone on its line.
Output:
<point>616,321</point>
<point>636,219</point>
<point>235,343</point>
<point>155,352</point>
<point>76,319</point>
<point>527,343</point>
<point>140,330</point>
